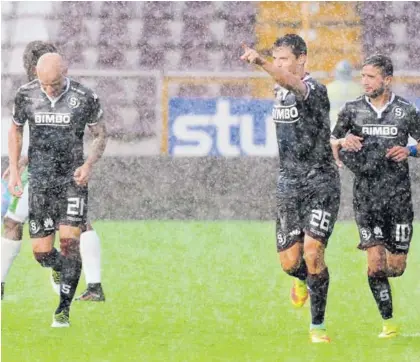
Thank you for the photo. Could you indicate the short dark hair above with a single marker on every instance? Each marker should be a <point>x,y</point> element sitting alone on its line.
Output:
<point>383,62</point>
<point>33,51</point>
<point>294,42</point>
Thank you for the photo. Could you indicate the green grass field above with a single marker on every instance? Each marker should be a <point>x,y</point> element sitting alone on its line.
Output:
<point>206,291</point>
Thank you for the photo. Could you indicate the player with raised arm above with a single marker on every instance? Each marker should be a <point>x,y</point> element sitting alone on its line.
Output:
<point>308,187</point>
<point>17,213</point>
<point>371,138</point>
<point>57,110</point>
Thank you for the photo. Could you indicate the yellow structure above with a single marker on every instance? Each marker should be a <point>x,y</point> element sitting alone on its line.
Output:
<point>331,30</point>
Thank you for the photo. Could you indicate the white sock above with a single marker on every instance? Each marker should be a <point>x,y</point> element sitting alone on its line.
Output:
<point>9,251</point>
<point>90,250</point>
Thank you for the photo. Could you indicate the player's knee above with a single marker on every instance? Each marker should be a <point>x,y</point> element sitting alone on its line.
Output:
<point>314,257</point>
<point>13,230</point>
<point>70,247</point>
<point>377,266</point>
<point>291,258</point>
<point>290,267</point>
<point>394,272</point>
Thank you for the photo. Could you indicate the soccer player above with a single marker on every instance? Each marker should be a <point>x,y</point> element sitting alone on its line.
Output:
<point>57,109</point>
<point>308,188</point>
<point>372,133</point>
<point>17,213</point>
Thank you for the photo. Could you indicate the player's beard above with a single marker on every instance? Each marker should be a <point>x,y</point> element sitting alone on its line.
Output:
<point>377,92</point>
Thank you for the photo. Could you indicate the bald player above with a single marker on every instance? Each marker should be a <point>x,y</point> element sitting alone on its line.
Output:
<point>57,109</point>
<point>17,213</point>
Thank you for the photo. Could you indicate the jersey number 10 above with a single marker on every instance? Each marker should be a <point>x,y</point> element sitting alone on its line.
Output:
<point>403,233</point>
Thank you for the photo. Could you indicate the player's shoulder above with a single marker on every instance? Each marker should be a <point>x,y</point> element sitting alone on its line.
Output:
<point>313,83</point>
<point>82,90</point>
<point>354,104</point>
<point>28,88</point>
<point>404,104</point>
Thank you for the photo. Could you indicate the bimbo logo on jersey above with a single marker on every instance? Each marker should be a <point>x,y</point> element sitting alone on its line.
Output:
<point>381,130</point>
<point>285,114</point>
<point>52,119</point>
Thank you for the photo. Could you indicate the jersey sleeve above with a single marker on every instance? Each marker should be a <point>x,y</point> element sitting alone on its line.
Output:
<point>19,115</point>
<point>343,124</point>
<point>94,110</point>
<point>414,125</point>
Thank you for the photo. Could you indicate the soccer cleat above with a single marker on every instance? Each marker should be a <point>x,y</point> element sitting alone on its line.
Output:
<point>55,280</point>
<point>2,291</point>
<point>319,336</point>
<point>299,293</point>
<point>92,295</point>
<point>389,330</point>
<point>61,320</point>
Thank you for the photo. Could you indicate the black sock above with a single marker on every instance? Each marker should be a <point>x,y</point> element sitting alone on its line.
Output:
<point>318,290</point>
<point>70,272</point>
<point>94,287</point>
<point>381,290</point>
<point>301,272</point>
<point>51,259</point>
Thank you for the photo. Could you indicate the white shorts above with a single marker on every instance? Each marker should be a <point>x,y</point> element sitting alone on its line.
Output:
<point>19,207</point>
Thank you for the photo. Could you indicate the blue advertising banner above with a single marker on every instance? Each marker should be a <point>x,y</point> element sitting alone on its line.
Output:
<point>221,127</point>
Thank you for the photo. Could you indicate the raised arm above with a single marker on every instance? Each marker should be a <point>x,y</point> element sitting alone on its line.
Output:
<point>284,78</point>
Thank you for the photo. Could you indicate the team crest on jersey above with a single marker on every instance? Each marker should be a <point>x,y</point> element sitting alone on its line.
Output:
<point>34,226</point>
<point>365,233</point>
<point>73,102</point>
<point>399,112</point>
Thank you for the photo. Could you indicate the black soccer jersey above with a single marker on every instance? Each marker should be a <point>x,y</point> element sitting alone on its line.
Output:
<point>56,129</point>
<point>303,129</point>
<point>381,130</point>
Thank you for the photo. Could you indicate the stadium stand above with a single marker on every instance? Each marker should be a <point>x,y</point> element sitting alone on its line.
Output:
<point>197,36</point>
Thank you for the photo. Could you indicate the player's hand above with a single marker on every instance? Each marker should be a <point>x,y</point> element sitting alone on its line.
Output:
<point>251,56</point>
<point>15,184</point>
<point>398,153</point>
<point>82,174</point>
<point>352,143</point>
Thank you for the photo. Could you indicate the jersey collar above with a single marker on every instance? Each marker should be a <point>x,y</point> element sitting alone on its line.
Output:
<point>380,111</point>
<point>56,99</point>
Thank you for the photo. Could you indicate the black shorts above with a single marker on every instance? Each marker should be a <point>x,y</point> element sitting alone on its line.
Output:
<point>384,219</point>
<point>59,205</point>
<point>310,207</point>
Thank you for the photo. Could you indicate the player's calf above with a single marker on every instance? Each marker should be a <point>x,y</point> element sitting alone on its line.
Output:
<point>292,263</point>
<point>381,291</point>
<point>318,280</point>
<point>70,273</point>
<point>11,243</point>
<point>44,252</point>
<point>71,268</point>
